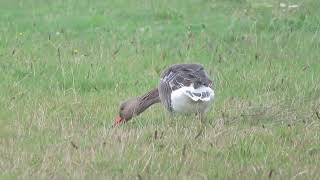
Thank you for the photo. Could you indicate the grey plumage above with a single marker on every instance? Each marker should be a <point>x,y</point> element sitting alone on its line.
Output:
<point>180,75</point>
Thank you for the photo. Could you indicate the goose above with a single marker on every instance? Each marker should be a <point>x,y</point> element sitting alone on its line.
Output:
<point>182,89</point>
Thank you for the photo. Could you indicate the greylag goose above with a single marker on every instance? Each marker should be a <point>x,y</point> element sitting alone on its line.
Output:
<point>183,88</point>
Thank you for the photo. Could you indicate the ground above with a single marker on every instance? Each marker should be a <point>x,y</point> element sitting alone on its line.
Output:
<point>66,65</point>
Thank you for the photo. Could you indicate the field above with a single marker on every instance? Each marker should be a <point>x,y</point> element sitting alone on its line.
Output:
<point>66,65</point>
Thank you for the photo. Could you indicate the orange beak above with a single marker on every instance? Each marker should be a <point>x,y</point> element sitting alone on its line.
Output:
<point>117,120</point>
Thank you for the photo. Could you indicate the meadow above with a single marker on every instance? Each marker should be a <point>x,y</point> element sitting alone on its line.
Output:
<point>66,65</point>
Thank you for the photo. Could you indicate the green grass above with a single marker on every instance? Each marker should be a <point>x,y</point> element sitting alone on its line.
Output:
<point>66,65</point>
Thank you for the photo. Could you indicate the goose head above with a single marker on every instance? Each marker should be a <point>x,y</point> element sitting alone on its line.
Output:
<point>136,106</point>
<point>127,110</point>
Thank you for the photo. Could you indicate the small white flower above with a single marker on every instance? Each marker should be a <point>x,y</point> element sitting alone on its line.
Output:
<point>142,29</point>
<point>283,5</point>
<point>293,6</point>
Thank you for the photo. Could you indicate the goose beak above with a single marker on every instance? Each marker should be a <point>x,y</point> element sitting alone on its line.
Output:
<point>117,120</point>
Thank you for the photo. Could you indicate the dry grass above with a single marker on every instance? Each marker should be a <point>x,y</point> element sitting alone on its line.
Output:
<point>66,65</point>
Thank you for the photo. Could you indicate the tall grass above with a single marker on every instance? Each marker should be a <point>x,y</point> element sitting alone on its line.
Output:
<point>66,65</point>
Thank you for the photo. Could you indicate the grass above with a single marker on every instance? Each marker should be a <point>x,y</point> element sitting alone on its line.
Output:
<point>66,65</point>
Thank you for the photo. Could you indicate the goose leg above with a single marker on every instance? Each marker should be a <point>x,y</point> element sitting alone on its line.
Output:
<point>199,117</point>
